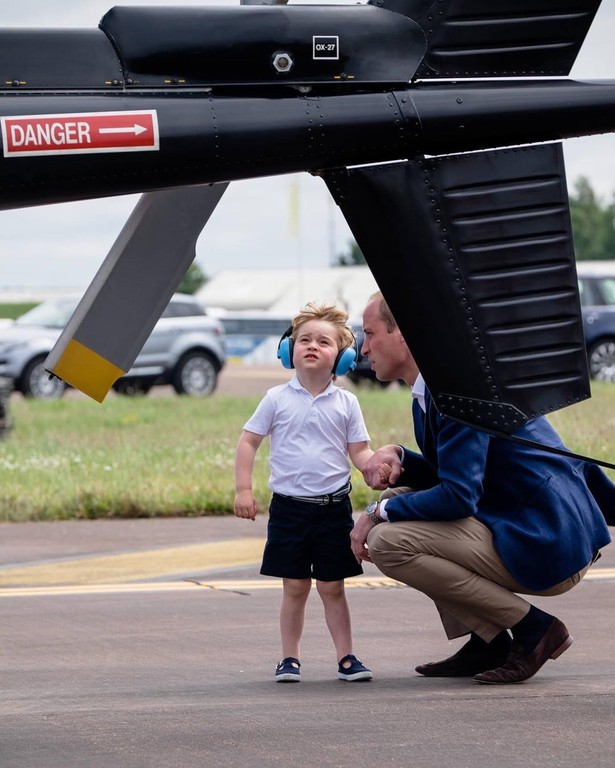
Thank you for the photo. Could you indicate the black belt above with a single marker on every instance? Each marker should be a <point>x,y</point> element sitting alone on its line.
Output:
<point>328,498</point>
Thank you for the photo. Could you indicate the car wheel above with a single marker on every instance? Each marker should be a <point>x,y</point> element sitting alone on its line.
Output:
<point>601,358</point>
<point>195,375</point>
<point>38,383</point>
<point>132,387</point>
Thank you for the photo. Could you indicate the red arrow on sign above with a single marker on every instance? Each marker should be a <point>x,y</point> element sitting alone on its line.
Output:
<point>79,133</point>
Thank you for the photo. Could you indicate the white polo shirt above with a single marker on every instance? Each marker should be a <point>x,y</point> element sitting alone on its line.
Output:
<point>309,437</point>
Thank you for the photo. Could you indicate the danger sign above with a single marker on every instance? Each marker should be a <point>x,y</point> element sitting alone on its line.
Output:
<point>79,133</point>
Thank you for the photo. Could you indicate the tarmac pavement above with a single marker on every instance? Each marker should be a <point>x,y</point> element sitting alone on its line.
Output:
<point>152,644</point>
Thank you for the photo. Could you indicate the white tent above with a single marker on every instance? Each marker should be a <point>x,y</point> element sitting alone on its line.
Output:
<point>285,291</point>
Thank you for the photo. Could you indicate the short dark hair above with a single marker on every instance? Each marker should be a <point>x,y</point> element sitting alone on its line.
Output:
<point>385,313</point>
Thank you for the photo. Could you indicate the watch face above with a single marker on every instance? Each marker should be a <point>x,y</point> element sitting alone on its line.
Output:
<point>371,508</point>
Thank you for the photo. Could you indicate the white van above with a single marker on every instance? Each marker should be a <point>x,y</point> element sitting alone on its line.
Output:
<point>252,337</point>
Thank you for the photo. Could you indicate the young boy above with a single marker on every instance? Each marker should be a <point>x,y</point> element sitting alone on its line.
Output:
<point>314,427</point>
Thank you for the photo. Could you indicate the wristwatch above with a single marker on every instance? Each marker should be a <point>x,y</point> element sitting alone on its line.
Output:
<point>370,511</point>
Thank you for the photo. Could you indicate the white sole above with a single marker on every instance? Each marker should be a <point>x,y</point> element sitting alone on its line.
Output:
<point>356,677</point>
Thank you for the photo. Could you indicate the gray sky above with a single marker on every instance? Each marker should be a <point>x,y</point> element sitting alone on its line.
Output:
<point>63,245</point>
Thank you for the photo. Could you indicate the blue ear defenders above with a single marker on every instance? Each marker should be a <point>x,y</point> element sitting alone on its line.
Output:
<point>285,348</point>
<point>345,361</point>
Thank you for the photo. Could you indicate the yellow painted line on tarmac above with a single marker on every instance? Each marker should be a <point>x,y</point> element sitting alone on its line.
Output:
<point>116,574</point>
<point>244,586</point>
<point>97,589</point>
<point>135,566</point>
<point>238,586</point>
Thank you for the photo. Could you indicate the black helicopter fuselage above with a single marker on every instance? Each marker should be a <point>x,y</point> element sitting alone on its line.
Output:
<point>221,94</point>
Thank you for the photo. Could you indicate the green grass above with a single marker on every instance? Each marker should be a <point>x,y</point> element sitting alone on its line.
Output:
<point>142,457</point>
<point>13,310</point>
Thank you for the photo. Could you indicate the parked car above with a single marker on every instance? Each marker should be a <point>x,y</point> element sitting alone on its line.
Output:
<point>597,289</point>
<point>185,349</point>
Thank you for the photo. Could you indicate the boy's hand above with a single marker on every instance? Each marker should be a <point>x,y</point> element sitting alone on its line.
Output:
<point>245,505</point>
<point>384,472</point>
<point>372,472</point>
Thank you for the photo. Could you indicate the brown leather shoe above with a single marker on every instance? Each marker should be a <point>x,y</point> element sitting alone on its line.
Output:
<point>519,666</point>
<point>468,662</point>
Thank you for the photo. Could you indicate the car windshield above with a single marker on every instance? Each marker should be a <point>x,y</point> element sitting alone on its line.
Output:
<point>50,314</point>
<point>608,289</point>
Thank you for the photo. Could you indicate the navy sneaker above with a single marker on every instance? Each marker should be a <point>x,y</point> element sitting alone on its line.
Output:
<point>287,671</point>
<point>351,669</point>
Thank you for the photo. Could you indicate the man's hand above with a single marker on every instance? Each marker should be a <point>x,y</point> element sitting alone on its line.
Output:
<point>374,470</point>
<point>358,538</point>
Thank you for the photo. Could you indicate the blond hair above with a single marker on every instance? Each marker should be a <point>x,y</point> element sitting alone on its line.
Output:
<point>330,313</point>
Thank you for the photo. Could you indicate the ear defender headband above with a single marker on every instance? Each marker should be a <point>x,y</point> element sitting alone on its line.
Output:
<point>345,361</point>
<point>285,348</point>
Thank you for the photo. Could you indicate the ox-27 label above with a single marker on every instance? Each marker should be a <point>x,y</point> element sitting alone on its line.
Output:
<point>326,47</point>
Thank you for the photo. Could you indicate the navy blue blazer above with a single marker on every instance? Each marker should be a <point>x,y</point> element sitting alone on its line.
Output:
<point>546,512</point>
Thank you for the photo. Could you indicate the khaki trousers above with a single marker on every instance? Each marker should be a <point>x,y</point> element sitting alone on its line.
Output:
<point>456,565</point>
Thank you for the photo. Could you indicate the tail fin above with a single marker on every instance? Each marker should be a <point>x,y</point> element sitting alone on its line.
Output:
<point>474,256</point>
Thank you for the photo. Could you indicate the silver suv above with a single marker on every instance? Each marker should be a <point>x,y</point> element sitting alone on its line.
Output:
<point>185,349</point>
<point>597,289</point>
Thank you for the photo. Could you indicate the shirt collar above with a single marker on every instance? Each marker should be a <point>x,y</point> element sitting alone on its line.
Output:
<point>418,390</point>
<point>296,384</point>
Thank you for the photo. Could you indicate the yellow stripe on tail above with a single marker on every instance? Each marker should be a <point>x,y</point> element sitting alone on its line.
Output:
<point>86,370</point>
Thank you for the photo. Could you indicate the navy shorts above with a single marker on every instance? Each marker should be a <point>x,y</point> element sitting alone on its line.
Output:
<point>309,541</point>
